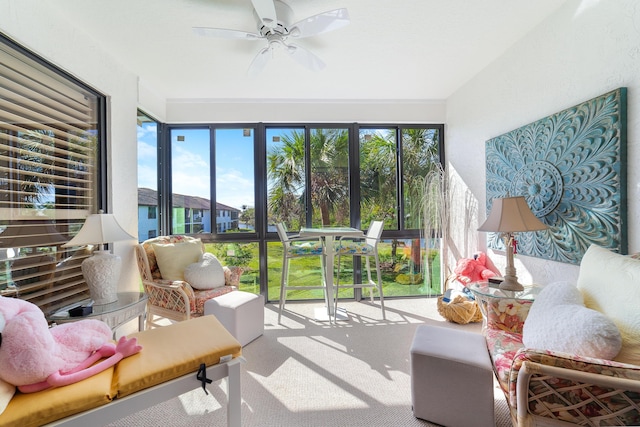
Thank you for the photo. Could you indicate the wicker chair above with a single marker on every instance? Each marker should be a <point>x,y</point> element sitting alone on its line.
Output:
<point>544,387</point>
<point>172,299</point>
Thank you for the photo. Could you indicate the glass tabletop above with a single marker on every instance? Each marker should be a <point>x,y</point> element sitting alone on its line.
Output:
<point>125,299</point>
<point>330,231</point>
<point>486,289</point>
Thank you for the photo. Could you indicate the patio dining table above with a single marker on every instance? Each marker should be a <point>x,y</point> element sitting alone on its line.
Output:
<point>328,236</point>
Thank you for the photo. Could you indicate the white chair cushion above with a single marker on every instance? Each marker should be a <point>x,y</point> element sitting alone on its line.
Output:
<point>173,258</point>
<point>610,284</point>
<point>207,273</point>
<point>559,321</point>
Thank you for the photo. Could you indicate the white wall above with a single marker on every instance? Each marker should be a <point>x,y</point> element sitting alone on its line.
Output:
<point>585,49</point>
<point>292,111</point>
<point>38,26</point>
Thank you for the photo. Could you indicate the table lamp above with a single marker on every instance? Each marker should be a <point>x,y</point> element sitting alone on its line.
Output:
<point>511,215</point>
<point>102,270</point>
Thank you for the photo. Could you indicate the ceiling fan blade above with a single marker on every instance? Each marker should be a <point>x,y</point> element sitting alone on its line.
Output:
<point>259,62</point>
<point>305,57</point>
<point>225,34</point>
<point>266,11</point>
<point>320,23</point>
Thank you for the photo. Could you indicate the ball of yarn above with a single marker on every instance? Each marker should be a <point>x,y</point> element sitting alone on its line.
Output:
<point>460,310</point>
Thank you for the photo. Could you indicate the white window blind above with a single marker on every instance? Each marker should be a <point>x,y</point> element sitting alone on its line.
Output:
<point>49,151</point>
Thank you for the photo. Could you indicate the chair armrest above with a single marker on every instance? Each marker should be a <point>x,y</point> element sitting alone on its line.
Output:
<point>175,295</point>
<point>542,383</point>
<point>352,239</point>
<point>232,275</point>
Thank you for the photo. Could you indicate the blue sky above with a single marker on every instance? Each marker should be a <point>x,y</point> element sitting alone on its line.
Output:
<point>191,163</point>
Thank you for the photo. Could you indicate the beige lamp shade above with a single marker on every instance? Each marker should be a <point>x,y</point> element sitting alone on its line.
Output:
<point>511,215</point>
<point>98,229</point>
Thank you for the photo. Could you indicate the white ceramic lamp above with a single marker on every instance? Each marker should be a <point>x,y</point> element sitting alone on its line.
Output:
<point>511,215</point>
<point>102,270</point>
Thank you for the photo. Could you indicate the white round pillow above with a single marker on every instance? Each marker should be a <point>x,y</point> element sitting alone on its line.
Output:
<point>207,273</point>
<point>558,320</point>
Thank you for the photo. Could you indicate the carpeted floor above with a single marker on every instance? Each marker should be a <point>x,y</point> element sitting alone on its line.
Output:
<point>309,373</point>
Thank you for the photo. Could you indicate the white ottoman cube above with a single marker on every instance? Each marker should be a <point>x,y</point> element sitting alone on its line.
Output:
<point>241,313</point>
<point>451,377</point>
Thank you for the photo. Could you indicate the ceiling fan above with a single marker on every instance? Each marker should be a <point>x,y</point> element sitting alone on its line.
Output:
<point>274,23</point>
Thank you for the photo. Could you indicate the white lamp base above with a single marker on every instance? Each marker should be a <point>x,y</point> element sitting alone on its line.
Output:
<point>102,272</point>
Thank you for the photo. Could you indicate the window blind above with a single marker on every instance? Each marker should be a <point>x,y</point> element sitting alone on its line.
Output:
<point>49,151</point>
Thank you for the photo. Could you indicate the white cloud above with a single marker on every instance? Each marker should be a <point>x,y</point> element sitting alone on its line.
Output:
<point>147,176</point>
<point>146,151</point>
<point>234,189</point>
<point>144,131</point>
<point>190,173</point>
<point>185,182</point>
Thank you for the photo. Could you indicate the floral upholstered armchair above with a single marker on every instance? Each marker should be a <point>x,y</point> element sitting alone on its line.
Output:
<point>549,387</point>
<point>164,277</point>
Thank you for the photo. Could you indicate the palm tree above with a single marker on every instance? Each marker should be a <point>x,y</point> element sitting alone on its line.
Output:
<point>420,158</point>
<point>285,169</point>
<point>328,177</point>
<point>378,177</point>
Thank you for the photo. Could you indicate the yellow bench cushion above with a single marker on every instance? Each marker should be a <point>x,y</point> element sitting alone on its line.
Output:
<point>35,409</point>
<point>173,351</point>
<point>168,352</point>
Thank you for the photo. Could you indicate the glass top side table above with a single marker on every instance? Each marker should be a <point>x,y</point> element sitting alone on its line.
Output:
<point>128,306</point>
<point>490,290</point>
<point>504,310</point>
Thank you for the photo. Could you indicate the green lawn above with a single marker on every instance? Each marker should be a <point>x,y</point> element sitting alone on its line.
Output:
<point>398,277</point>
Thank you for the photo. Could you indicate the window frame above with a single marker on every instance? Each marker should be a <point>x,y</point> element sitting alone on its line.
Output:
<point>262,235</point>
<point>66,284</point>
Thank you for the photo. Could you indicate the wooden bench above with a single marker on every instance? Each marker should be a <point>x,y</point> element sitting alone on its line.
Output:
<point>166,367</point>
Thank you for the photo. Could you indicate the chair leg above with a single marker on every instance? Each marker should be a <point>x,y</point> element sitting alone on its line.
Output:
<point>336,290</point>
<point>379,285</point>
<point>284,280</point>
<point>369,280</point>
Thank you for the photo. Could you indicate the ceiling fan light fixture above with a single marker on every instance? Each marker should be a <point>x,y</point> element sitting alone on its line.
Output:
<point>274,24</point>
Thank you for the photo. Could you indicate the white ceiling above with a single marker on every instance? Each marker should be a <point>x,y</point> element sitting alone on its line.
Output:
<point>392,50</point>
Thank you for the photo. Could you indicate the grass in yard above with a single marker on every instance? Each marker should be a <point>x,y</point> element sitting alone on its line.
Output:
<point>398,278</point>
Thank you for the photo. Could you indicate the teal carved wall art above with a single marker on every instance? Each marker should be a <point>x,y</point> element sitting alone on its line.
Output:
<point>571,169</point>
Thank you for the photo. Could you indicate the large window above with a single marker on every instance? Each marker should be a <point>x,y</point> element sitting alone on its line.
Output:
<point>190,181</point>
<point>235,180</point>
<point>51,137</point>
<point>247,178</point>
<point>148,224</point>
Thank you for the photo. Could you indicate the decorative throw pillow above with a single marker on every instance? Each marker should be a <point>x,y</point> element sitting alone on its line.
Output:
<point>173,258</point>
<point>207,273</point>
<point>609,283</point>
<point>559,321</point>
